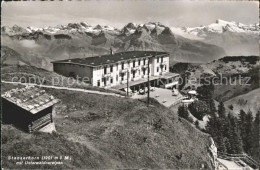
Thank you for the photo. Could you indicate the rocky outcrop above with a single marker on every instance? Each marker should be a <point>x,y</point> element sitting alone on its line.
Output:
<point>213,153</point>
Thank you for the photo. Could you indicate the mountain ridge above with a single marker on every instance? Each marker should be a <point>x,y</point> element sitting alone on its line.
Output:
<point>83,40</point>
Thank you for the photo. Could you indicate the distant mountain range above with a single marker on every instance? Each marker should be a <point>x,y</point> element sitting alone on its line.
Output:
<point>39,46</point>
<point>236,38</point>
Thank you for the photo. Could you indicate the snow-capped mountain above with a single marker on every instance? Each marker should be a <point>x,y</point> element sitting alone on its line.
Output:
<point>219,27</point>
<point>61,29</point>
<point>236,38</point>
<point>222,26</point>
<point>200,44</point>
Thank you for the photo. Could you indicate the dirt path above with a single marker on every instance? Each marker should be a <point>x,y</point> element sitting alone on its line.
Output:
<point>66,88</point>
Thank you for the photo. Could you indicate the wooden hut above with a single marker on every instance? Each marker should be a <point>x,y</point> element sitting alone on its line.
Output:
<point>28,108</point>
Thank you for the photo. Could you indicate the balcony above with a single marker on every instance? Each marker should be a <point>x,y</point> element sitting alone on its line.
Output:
<point>123,70</point>
<point>163,63</point>
<point>108,86</point>
<point>123,81</point>
<point>106,75</point>
<point>144,66</point>
<point>162,72</point>
<point>134,79</point>
<point>135,68</point>
<point>145,76</point>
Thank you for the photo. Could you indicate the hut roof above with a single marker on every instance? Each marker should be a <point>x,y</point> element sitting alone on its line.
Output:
<point>110,59</point>
<point>30,98</point>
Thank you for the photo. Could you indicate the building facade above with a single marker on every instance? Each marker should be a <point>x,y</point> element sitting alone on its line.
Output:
<point>114,69</point>
<point>115,74</point>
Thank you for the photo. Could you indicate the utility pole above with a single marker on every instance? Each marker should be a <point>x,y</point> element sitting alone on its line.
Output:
<point>148,93</point>
<point>127,91</point>
<point>68,51</point>
<point>68,48</point>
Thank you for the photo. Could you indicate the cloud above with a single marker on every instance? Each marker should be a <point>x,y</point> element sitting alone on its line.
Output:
<point>28,43</point>
<point>118,13</point>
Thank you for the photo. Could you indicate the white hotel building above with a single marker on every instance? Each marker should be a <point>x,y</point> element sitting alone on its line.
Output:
<point>112,70</point>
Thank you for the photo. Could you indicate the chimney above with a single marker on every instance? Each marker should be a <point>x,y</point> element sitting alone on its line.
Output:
<point>111,51</point>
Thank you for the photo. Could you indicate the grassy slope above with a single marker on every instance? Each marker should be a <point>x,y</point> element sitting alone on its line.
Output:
<point>248,101</point>
<point>111,132</point>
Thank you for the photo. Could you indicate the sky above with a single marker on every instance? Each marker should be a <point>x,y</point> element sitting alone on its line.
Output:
<point>118,13</point>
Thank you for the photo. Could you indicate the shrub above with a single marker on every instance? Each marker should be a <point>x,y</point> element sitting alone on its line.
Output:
<point>230,107</point>
<point>183,112</point>
<point>197,123</point>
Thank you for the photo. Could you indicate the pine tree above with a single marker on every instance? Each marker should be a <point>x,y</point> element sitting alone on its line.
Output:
<point>212,126</point>
<point>256,140</point>
<point>227,145</point>
<point>221,144</point>
<point>242,119</point>
<point>242,116</point>
<point>197,123</point>
<point>248,141</point>
<point>221,110</point>
<point>234,135</point>
<point>226,127</point>
<point>212,107</point>
<point>206,91</point>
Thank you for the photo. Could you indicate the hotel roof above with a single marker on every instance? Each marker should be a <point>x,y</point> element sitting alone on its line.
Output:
<point>109,59</point>
<point>30,98</point>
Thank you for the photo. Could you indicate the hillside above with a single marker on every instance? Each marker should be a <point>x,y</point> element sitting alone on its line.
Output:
<point>234,75</point>
<point>110,132</point>
<point>246,102</point>
<point>39,46</point>
<point>10,57</point>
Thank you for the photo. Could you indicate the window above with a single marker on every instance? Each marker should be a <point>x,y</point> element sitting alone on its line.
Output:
<point>157,69</point>
<point>144,61</point>
<point>122,65</point>
<point>105,70</point>
<point>111,68</point>
<point>139,62</point>
<point>122,78</point>
<point>161,59</point>
<point>111,80</point>
<point>133,63</point>
<point>157,59</point>
<point>116,77</point>
<point>117,66</point>
<point>165,67</point>
<point>105,81</point>
<point>98,83</point>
